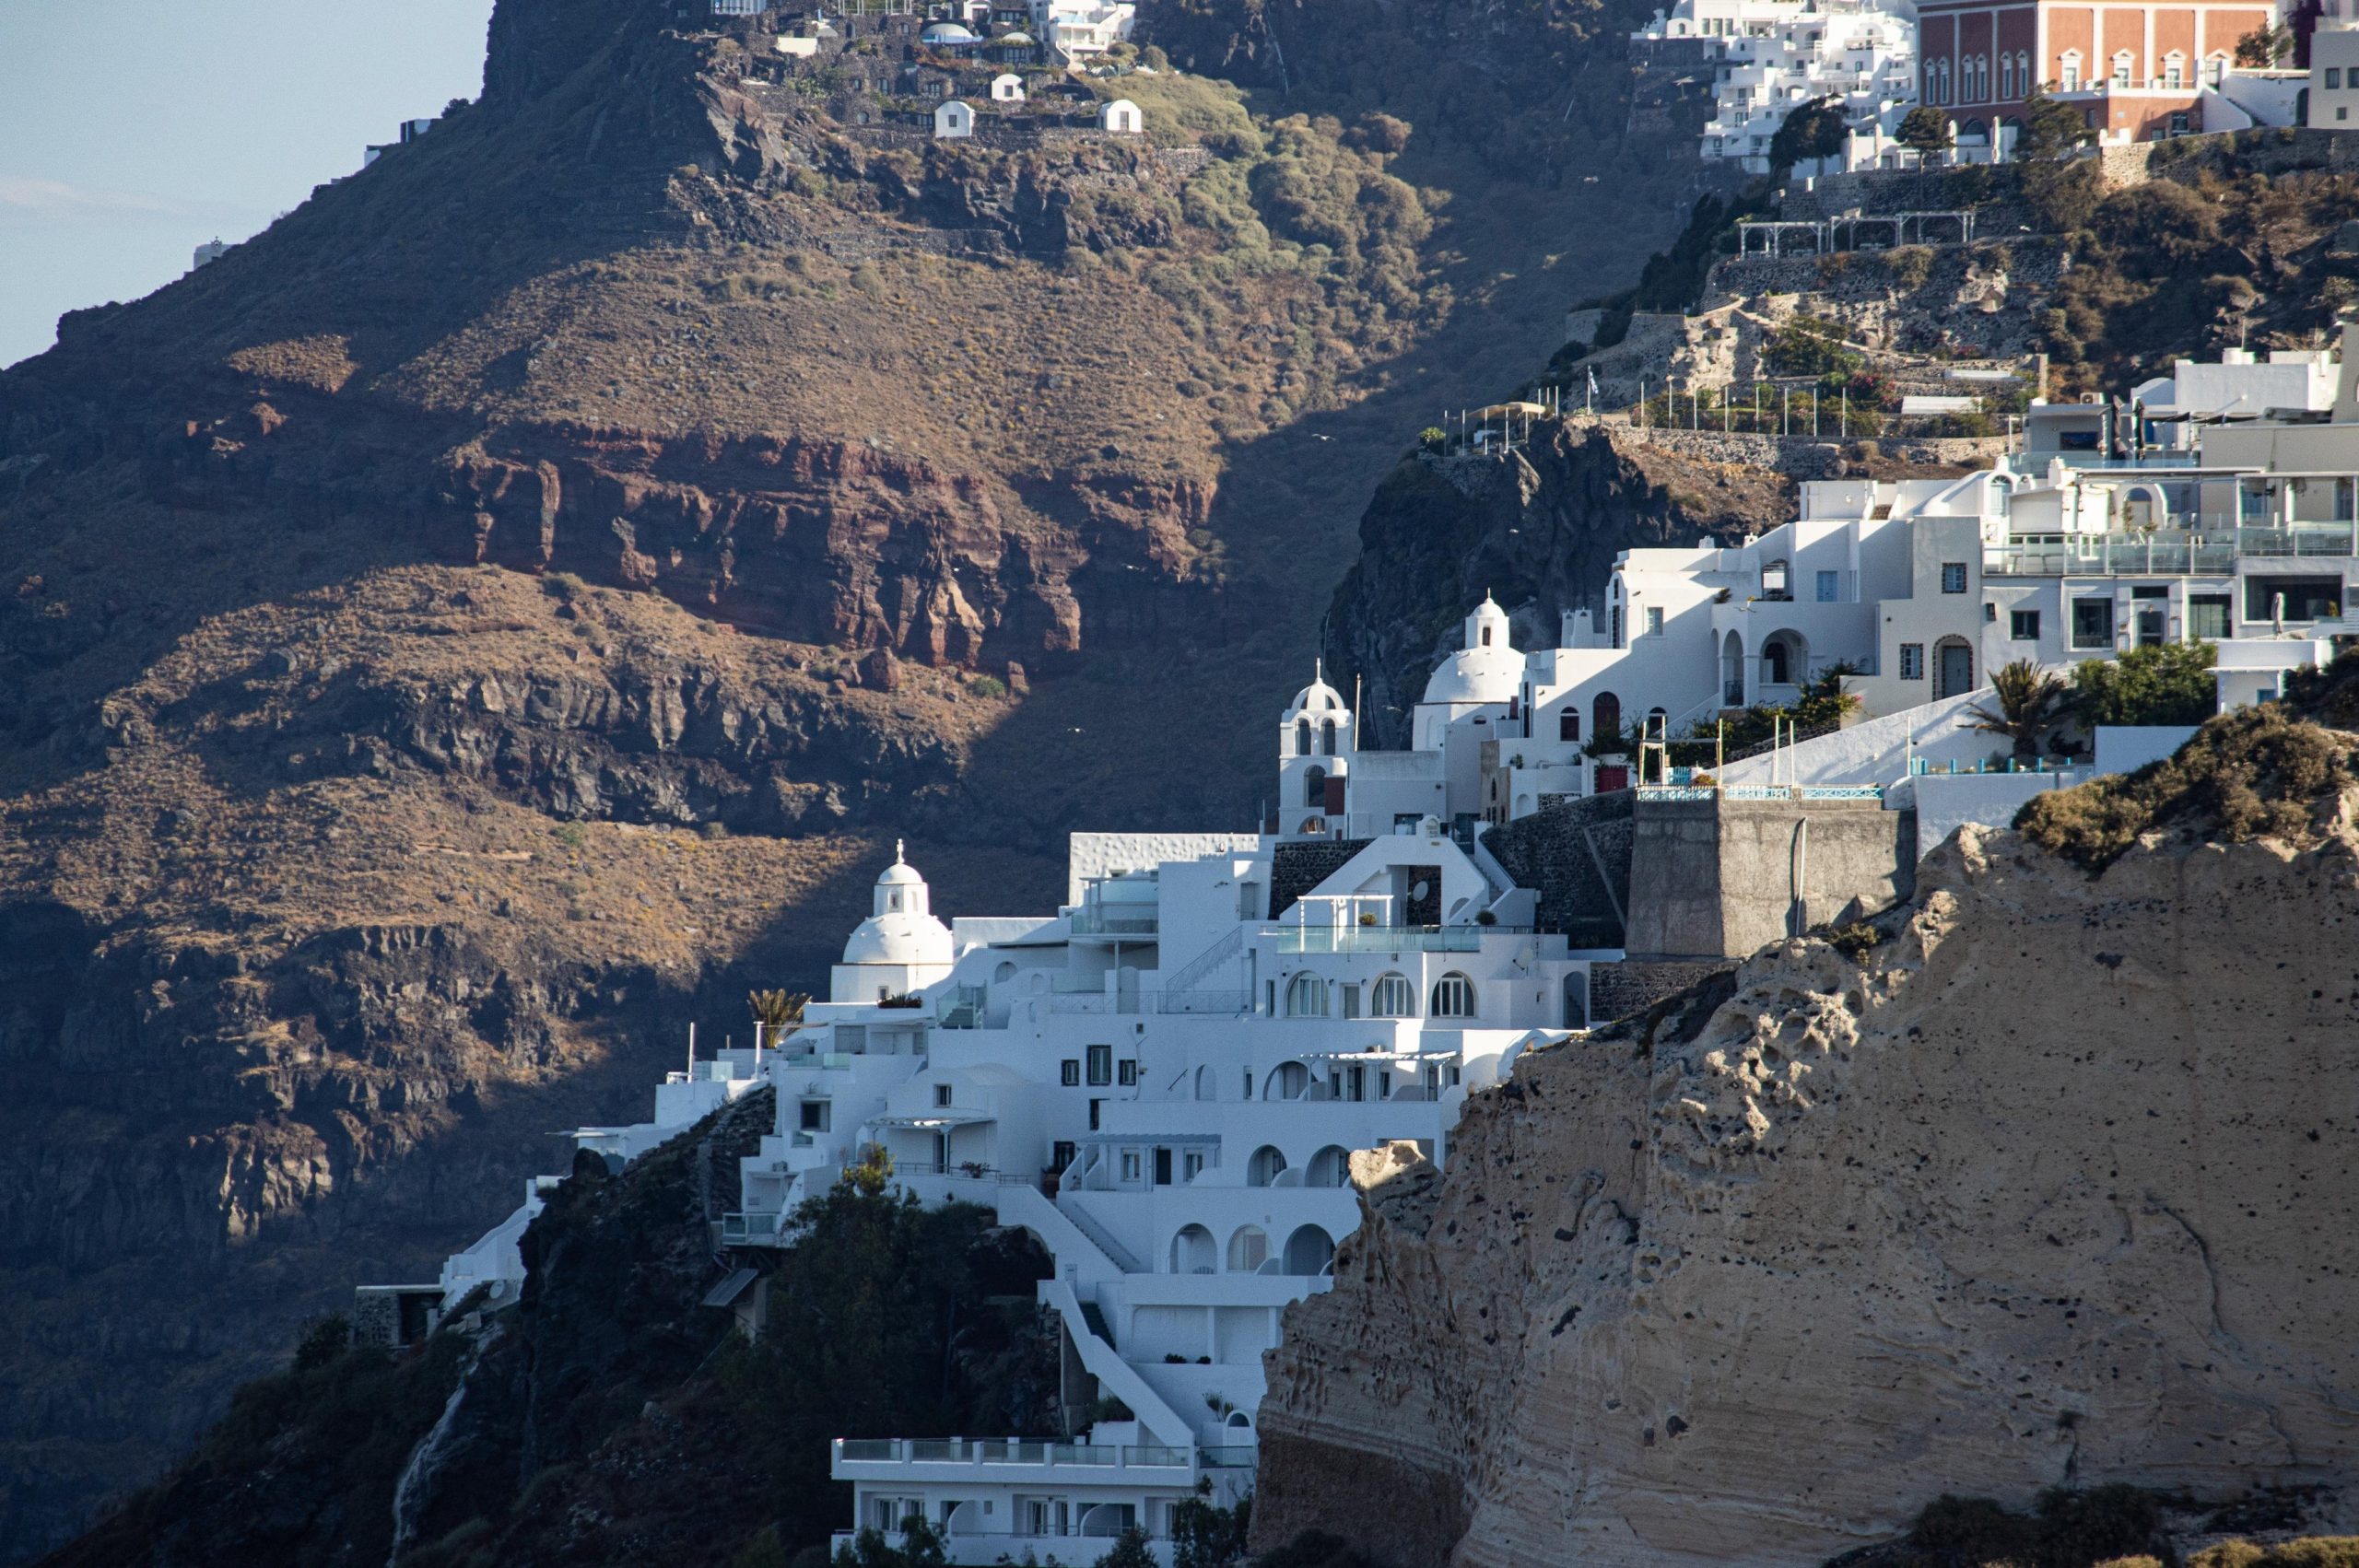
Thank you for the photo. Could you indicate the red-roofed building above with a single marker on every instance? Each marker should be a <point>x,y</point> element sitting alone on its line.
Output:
<point>2136,71</point>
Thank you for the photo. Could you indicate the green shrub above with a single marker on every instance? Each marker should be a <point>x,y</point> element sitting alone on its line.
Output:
<point>2256,772</point>
<point>1909,266</point>
<point>990,687</point>
<point>2164,684</point>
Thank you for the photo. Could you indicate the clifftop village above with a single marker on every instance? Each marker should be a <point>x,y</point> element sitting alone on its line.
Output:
<point>1173,1079</point>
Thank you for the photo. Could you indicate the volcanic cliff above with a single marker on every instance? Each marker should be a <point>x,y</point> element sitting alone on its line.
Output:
<point>2047,1177</point>
<point>505,610</point>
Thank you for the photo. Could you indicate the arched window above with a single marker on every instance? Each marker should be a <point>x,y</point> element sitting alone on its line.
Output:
<point>1332,1167</point>
<point>1314,788</point>
<point>1302,737</point>
<point>1308,1251</point>
<point>1248,1250</point>
<point>1306,996</point>
<point>1393,998</point>
<point>2217,67</point>
<point>1005,973</point>
<point>1287,1082</point>
<point>2006,76</point>
<point>1658,724</point>
<point>1266,1165</point>
<point>2022,74</point>
<point>1453,997</point>
<point>1327,738</point>
<point>1605,716</point>
<point>1205,1089</point>
<point>1194,1251</point>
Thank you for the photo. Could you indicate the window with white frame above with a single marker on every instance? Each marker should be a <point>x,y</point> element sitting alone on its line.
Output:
<point>1393,998</point>
<point>1453,997</point>
<point>1306,996</point>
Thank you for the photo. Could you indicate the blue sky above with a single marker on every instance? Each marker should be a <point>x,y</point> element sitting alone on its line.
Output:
<point>133,132</point>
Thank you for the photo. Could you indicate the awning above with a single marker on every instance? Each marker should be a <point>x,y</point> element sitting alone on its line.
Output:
<point>726,1292</point>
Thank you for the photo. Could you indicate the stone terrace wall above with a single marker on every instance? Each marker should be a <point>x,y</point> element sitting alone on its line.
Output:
<point>1577,856</point>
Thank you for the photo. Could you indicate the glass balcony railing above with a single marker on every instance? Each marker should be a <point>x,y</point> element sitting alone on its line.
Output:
<point>1386,939</point>
<point>1090,921</point>
<point>2170,554</point>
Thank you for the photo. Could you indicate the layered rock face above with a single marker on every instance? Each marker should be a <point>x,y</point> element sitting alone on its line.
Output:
<point>2055,1185</point>
<point>1539,530</point>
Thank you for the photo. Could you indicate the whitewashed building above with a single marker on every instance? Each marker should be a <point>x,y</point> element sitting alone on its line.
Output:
<point>953,119</point>
<point>1078,29</point>
<point>1768,57</point>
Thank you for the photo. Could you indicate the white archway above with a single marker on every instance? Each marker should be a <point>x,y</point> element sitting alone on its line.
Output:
<point>1266,1165</point>
<point>1249,1250</point>
<point>1310,1250</point>
<point>1332,1167</point>
<point>1194,1251</point>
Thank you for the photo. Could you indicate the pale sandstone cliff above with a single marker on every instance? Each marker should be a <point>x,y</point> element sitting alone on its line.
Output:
<point>2053,1186</point>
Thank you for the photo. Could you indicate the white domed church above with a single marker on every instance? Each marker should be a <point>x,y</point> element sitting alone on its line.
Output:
<point>899,948</point>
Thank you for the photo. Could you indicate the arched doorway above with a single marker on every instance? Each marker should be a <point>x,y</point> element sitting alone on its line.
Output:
<point>1605,718</point>
<point>1308,1251</point>
<point>1265,1167</point>
<point>1332,1167</point>
<point>1785,659</point>
<point>1194,1251</point>
<point>1733,671</point>
<point>1314,788</point>
<point>1953,667</point>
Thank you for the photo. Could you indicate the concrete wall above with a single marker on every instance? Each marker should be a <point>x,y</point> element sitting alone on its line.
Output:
<point>1874,751</point>
<point>1945,802</point>
<point>2125,748</point>
<point>1719,879</point>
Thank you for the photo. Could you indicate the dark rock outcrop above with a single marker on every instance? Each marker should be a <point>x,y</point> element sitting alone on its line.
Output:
<point>1538,529</point>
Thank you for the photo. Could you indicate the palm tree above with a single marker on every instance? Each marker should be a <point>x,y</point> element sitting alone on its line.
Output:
<point>776,1011</point>
<point>2025,703</point>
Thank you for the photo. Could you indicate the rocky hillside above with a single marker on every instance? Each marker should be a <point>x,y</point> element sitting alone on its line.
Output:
<point>505,611</point>
<point>2043,1179</point>
<point>609,1417</point>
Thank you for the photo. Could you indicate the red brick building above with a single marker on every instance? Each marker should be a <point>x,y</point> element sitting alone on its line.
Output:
<point>2133,70</point>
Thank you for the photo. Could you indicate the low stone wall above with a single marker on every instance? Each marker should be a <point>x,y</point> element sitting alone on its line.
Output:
<point>1577,856</point>
<point>1629,989</point>
<point>1807,457</point>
